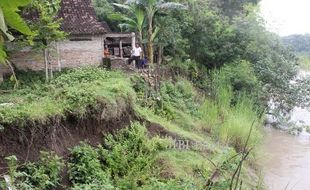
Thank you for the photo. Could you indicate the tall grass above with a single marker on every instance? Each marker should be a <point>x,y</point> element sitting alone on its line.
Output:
<point>230,115</point>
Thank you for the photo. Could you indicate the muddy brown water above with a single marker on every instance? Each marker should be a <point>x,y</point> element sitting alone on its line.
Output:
<point>286,158</point>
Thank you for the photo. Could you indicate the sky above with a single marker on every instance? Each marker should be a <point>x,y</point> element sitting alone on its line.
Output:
<point>287,17</point>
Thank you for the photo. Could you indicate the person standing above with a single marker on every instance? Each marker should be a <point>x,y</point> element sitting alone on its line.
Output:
<point>136,54</point>
<point>106,61</point>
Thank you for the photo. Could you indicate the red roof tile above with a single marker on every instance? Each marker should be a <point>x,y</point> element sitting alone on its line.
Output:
<point>79,18</point>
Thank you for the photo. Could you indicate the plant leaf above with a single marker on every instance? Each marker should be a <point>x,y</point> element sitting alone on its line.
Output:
<point>3,28</point>
<point>16,22</point>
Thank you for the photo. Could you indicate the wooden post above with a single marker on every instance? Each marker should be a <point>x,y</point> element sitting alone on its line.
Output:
<point>46,64</point>
<point>1,77</point>
<point>103,44</point>
<point>58,57</point>
<point>121,47</point>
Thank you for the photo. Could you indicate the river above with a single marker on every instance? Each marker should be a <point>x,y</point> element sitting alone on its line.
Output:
<point>286,158</point>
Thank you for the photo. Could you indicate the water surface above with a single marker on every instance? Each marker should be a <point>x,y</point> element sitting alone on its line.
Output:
<point>286,158</point>
<point>286,161</point>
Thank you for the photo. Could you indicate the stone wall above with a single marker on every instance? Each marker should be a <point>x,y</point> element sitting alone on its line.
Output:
<point>65,54</point>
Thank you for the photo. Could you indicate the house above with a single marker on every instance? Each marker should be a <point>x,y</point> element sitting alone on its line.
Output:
<point>84,45</point>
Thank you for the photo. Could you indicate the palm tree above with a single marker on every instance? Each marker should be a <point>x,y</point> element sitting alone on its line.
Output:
<point>135,20</point>
<point>151,8</point>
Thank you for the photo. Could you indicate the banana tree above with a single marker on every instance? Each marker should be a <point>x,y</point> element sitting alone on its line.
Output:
<point>9,17</point>
<point>134,21</point>
<point>151,8</point>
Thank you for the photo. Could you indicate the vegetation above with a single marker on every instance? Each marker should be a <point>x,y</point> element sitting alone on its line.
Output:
<point>9,17</point>
<point>299,43</point>
<point>178,108</point>
<point>304,61</point>
<point>219,71</point>
<point>71,92</point>
<point>46,29</point>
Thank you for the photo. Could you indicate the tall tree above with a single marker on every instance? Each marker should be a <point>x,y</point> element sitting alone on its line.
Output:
<point>46,28</point>
<point>134,21</point>
<point>151,8</point>
<point>231,8</point>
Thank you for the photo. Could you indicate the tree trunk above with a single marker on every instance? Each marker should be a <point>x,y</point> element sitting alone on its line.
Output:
<point>141,42</point>
<point>49,65</point>
<point>13,74</point>
<point>160,54</point>
<point>150,41</point>
<point>46,64</point>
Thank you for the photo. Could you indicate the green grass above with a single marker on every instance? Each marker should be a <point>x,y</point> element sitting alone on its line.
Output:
<point>71,92</point>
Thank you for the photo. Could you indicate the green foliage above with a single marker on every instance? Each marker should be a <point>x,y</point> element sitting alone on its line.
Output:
<point>231,8</point>
<point>186,184</point>
<point>129,156</point>
<point>85,169</point>
<point>27,79</point>
<point>9,17</point>
<point>72,91</point>
<point>304,62</point>
<point>47,27</point>
<point>274,65</point>
<point>231,116</point>
<point>241,76</point>
<point>211,38</point>
<point>45,174</point>
<point>78,76</point>
<point>299,43</point>
<point>149,10</point>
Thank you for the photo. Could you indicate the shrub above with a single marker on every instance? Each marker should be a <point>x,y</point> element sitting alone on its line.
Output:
<point>129,156</point>
<point>44,174</point>
<point>84,166</point>
<point>80,75</point>
<point>176,97</point>
<point>187,184</point>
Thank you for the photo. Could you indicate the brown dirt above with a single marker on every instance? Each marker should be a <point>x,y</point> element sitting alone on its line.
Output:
<point>58,135</point>
<point>155,129</point>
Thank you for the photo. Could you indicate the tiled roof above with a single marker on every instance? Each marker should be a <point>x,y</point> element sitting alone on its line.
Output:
<point>79,18</point>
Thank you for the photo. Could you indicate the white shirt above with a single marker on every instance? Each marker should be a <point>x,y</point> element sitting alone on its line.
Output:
<point>136,51</point>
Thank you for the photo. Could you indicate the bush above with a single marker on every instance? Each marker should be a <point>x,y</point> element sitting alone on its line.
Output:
<point>44,174</point>
<point>187,184</point>
<point>129,156</point>
<point>84,166</point>
<point>175,98</point>
<point>80,75</point>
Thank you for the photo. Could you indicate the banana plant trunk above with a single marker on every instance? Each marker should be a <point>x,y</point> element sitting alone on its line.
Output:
<point>141,42</point>
<point>150,41</point>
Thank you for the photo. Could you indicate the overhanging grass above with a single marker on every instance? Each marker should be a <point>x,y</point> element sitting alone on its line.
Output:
<point>70,92</point>
<point>170,126</point>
